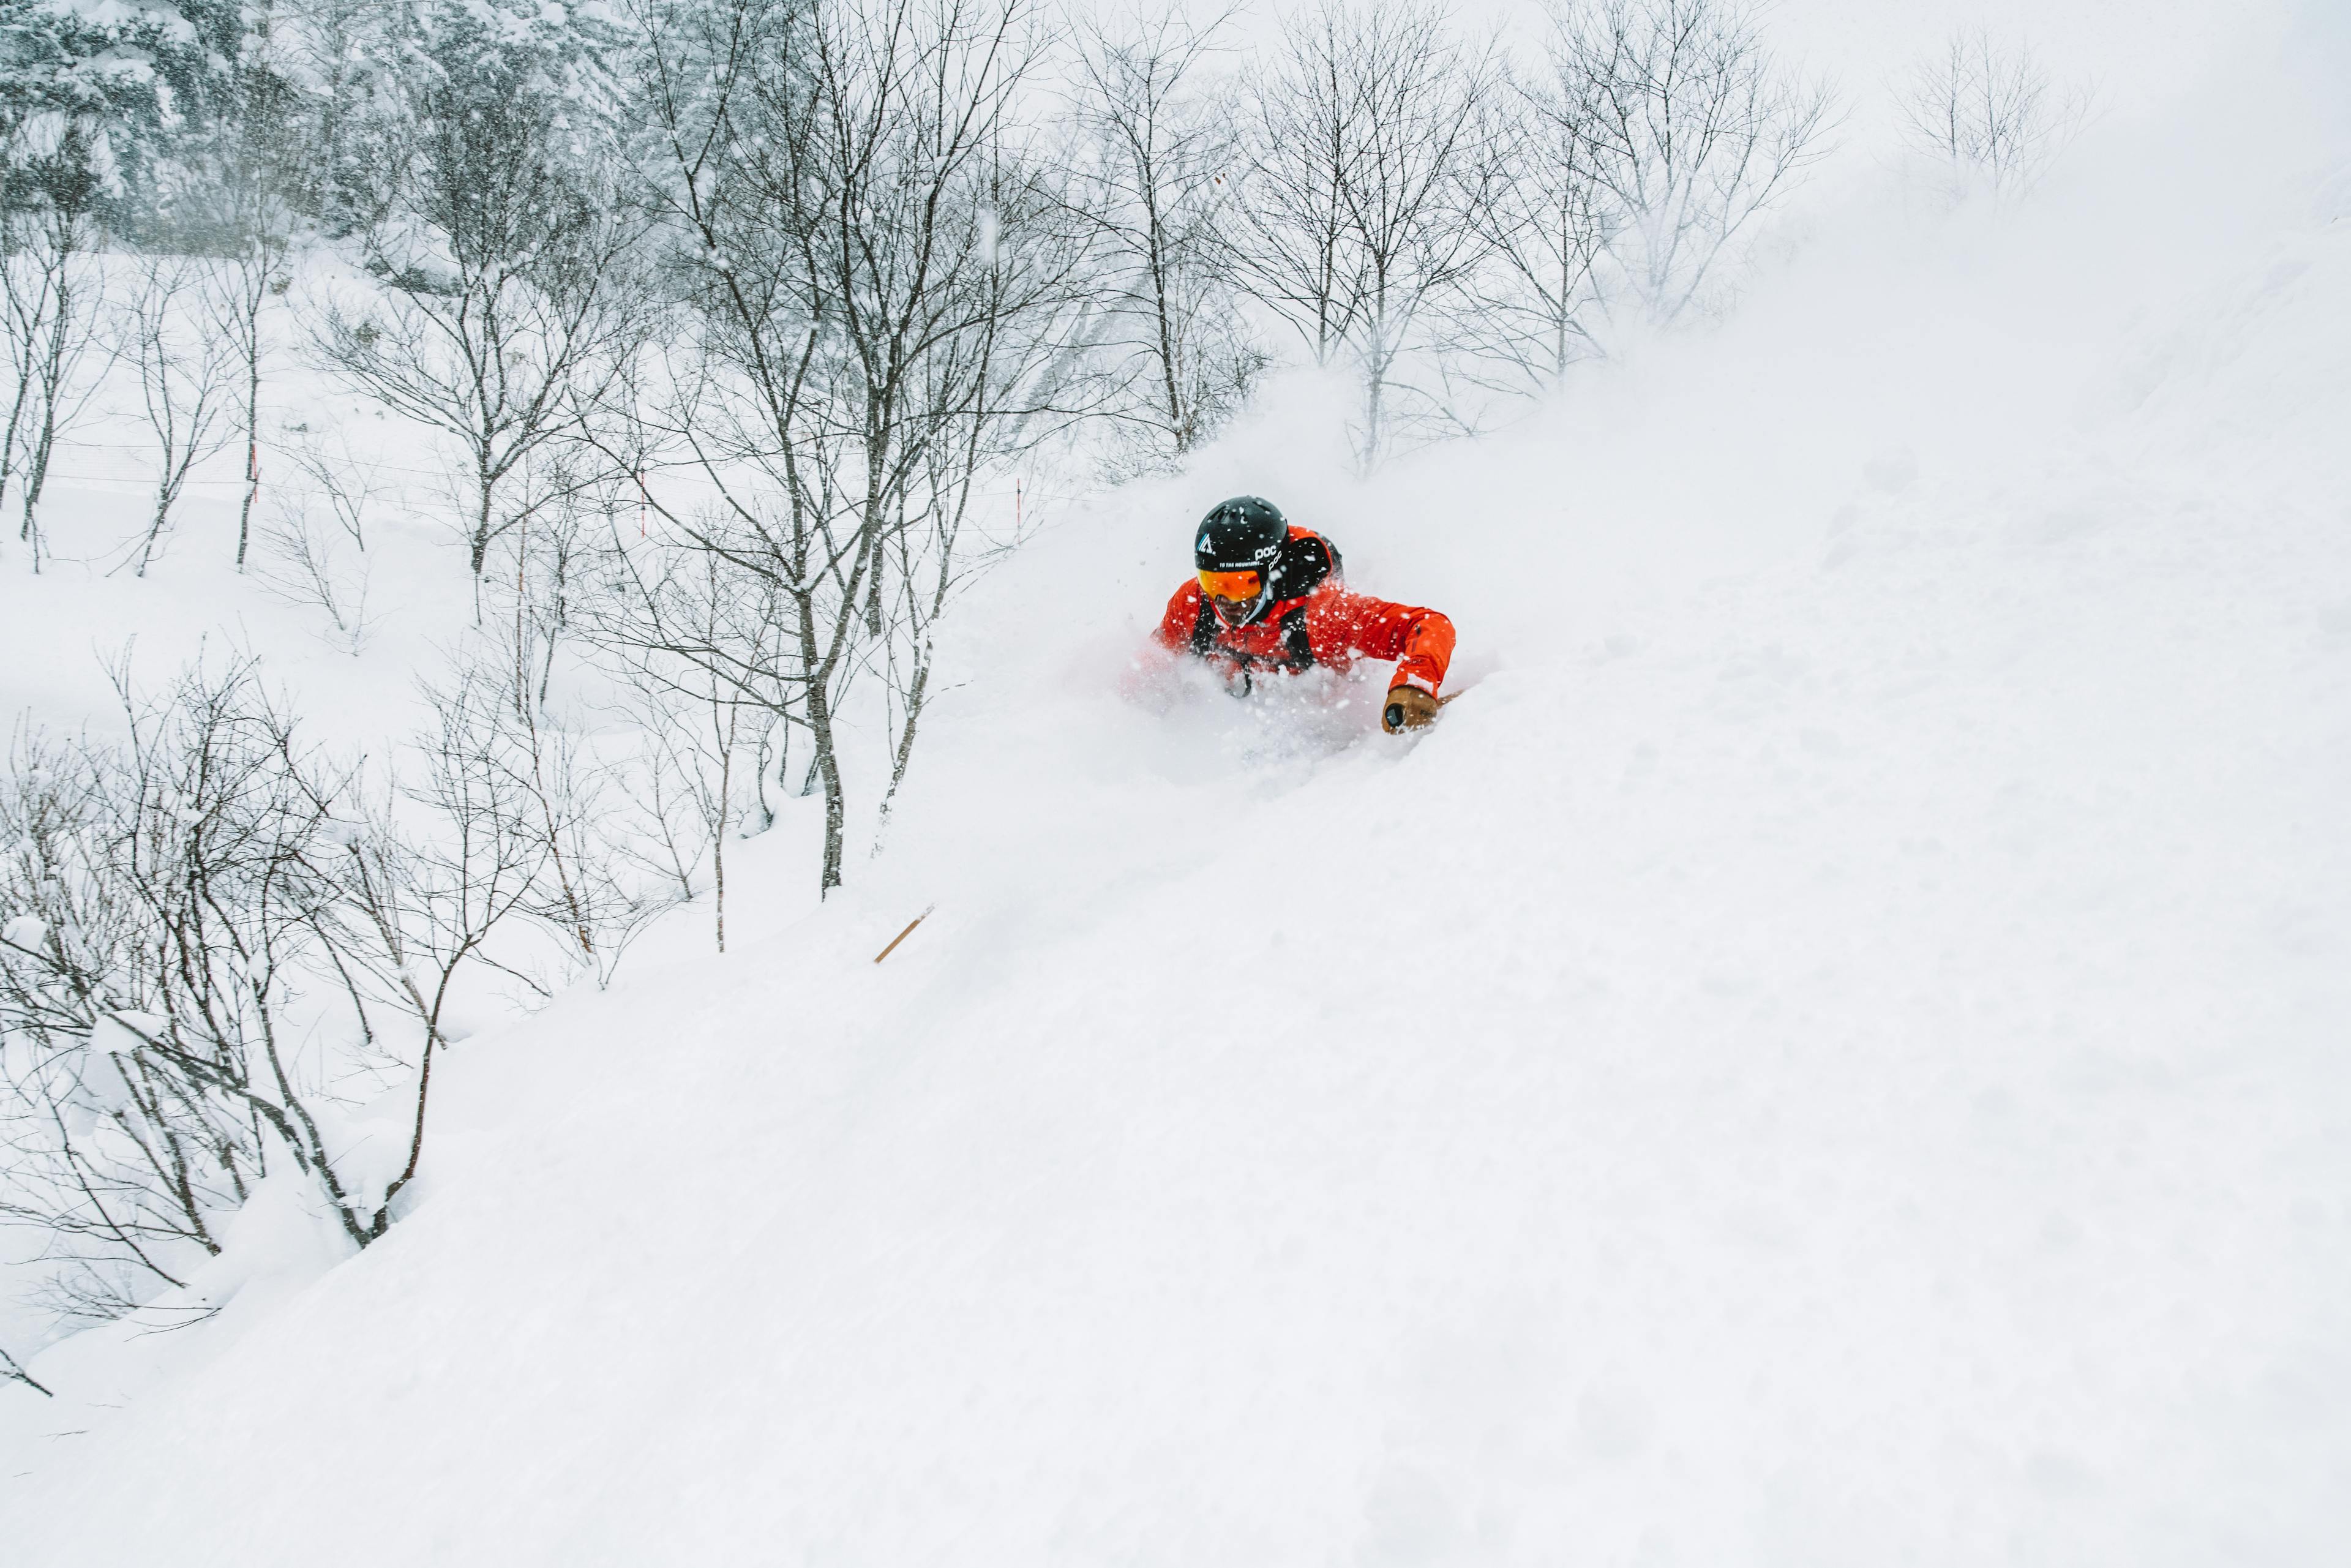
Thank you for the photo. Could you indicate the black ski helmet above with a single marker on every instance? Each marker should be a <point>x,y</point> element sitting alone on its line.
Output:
<point>1244,534</point>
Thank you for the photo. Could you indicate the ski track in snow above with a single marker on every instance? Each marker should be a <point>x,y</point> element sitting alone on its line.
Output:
<point>1831,1053</point>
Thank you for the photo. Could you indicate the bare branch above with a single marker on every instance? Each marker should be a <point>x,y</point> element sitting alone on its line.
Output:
<point>1363,164</point>
<point>1988,112</point>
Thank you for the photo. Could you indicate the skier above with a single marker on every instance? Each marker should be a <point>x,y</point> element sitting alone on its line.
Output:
<point>1271,596</point>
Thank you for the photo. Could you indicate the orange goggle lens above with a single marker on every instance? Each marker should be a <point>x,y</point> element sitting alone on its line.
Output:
<point>1231,585</point>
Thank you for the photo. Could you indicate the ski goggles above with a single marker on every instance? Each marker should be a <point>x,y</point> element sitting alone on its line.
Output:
<point>1232,584</point>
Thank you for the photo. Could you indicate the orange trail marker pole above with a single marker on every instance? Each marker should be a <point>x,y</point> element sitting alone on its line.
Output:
<point>901,936</point>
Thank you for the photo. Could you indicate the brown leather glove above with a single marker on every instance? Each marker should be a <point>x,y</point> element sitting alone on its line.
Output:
<point>1407,707</point>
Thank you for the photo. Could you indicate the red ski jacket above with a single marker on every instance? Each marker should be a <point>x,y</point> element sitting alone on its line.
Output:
<point>1319,622</point>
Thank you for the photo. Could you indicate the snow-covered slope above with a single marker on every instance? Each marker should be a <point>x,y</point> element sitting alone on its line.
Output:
<point>1834,1052</point>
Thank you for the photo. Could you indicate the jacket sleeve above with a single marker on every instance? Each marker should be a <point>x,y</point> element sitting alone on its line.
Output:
<point>1420,641</point>
<point>1174,632</point>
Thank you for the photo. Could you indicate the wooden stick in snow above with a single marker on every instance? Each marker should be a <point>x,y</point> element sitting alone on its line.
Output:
<point>901,936</point>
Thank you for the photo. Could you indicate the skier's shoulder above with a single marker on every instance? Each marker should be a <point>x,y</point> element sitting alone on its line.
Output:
<point>1308,566</point>
<point>1181,618</point>
<point>1302,542</point>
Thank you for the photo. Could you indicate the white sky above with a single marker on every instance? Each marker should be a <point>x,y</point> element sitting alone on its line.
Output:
<point>2136,50</point>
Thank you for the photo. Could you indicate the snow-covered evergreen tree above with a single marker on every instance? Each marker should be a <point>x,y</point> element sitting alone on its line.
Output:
<point>114,94</point>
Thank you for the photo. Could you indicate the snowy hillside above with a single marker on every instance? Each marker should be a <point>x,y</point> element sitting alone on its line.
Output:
<point>1833,1051</point>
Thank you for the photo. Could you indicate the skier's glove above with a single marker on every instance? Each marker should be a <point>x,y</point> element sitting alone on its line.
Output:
<point>1407,707</point>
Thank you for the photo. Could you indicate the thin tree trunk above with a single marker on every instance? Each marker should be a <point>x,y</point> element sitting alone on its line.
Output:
<point>528,712</point>
<point>37,475</point>
<point>1177,423</point>
<point>906,752</point>
<point>423,1088</point>
<point>828,767</point>
<point>819,721</point>
<point>52,387</point>
<point>252,440</point>
<point>316,1149</point>
<point>482,532</point>
<point>8,441</point>
<point>718,839</point>
<point>154,532</point>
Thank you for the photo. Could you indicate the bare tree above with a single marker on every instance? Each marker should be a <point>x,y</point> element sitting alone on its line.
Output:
<point>553,556</point>
<point>433,898</point>
<point>183,382</point>
<point>239,218</point>
<point>198,928</point>
<point>53,303</point>
<point>314,550</point>
<point>1364,165</point>
<point>508,303</point>
<point>700,665</point>
<point>160,988</point>
<point>225,823</point>
<point>109,1157</point>
<point>1988,112</point>
<point>305,563</point>
<point>875,266</point>
<point>584,894</point>
<point>1163,155</point>
<point>934,549</point>
<point>592,902</point>
<point>1528,312</point>
<point>242,286</point>
<point>686,630</point>
<point>423,906</point>
<point>1685,127</point>
<point>675,802</point>
<point>195,928</point>
<point>338,476</point>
